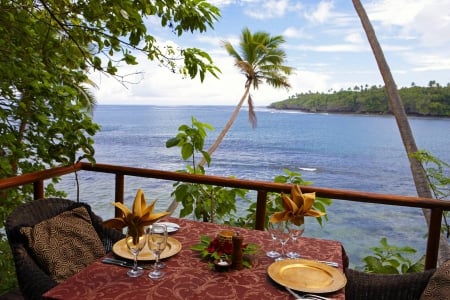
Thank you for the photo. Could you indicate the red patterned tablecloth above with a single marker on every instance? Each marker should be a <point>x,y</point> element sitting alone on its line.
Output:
<point>187,277</point>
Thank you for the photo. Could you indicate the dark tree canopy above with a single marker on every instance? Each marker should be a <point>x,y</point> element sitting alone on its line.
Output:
<point>48,50</point>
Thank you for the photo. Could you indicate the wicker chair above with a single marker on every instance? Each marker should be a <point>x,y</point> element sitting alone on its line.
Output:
<point>33,281</point>
<point>368,286</point>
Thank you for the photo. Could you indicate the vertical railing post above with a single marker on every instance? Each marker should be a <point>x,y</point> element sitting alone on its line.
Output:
<point>261,201</point>
<point>38,189</point>
<point>119,192</point>
<point>434,233</point>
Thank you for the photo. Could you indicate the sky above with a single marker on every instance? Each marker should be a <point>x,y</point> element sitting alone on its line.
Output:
<point>325,44</point>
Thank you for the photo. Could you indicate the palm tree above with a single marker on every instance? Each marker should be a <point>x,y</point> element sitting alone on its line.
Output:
<point>398,110</point>
<point>260,60</point>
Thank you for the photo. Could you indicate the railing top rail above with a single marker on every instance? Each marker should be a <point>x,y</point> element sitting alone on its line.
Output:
<point>38,175</point>
<point>350,195</point>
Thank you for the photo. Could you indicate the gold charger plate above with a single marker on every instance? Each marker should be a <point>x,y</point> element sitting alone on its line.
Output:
<point>307,276</point>
<point>173,247</point>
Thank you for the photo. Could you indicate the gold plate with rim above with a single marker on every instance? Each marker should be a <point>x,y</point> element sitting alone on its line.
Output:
<point>307,276</point>
<point>173,247</point>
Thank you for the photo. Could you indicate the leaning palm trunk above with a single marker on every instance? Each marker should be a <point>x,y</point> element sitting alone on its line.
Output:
<point>397,108</point>
<point>229,123</point>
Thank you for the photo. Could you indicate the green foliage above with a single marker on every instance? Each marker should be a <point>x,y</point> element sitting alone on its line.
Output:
<point>206,202</point>
<point>388,259</point>
<point>102,34</point>
<point>191,140</point>
<point>49,48</point>
<point>438,175</point>
<point>202,248</point>
<point>423,101</point>
<point>7,269</point>
<point>45,105</point>
<point>261,58</point>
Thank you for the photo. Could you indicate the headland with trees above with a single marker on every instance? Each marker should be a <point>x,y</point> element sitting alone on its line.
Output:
<point>432,101</point>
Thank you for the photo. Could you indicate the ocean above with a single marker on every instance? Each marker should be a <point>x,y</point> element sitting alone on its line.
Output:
<point>356,152</point>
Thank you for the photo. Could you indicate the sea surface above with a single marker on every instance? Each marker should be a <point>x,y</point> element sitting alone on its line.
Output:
<point>356,152</point>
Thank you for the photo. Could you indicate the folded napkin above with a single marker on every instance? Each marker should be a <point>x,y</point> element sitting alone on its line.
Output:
<point>141,215</point>
<point>296,207</point>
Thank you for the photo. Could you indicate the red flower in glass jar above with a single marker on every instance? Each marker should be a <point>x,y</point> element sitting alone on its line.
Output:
<point>220,247</point>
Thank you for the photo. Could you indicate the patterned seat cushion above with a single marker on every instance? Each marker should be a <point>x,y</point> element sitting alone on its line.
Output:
<point>64,244</point>
<point>439,285</point>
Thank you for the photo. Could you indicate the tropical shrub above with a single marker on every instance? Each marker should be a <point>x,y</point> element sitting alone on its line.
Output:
<point>214,203</point>
<point>206,202</point>
<point>389,259</point>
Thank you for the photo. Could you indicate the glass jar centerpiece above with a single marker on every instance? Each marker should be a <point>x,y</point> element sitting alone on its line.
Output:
<point>227,251</point>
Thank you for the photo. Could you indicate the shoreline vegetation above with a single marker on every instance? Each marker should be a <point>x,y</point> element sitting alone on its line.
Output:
<point>431,101</point>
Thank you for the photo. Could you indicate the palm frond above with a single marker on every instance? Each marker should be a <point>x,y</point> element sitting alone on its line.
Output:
<point>260,59</point>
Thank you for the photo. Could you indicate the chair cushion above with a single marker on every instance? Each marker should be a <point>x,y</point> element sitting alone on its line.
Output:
<point>439,285</point>
<point>65,244</point>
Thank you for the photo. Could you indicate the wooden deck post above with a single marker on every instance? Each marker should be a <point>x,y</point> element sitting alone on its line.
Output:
<point>433,238</point>
<point>38,189</point>
<point>119,192</point>
<point>260,210</point>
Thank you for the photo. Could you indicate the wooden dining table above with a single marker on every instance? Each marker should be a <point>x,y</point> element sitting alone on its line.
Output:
<point>189,277</point>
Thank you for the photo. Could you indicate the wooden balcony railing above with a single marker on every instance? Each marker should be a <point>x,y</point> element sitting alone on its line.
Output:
<point>435,206</point>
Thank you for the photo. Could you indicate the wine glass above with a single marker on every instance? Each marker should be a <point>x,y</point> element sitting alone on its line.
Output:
<point>135,243</point>
<point>273,234</point>
<point>282,235</point>
<point>295,231</point>
<point>157,240</point>
<point>161,264</point>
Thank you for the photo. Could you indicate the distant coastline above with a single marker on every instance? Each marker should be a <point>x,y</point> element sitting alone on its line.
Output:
<point>433,101</point>
<point>354,112</point>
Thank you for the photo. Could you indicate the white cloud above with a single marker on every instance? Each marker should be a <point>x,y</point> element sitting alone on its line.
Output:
<point>395,12</point>
<point>217,42</point>
<point>332,48</point>
<point>268,9</point>
<point>160,86</point>
<point>295,32</point>
<point>429,62</point>
<point>322,12</point>
<point>355,38</point>
<point>428,20</point>
<point>432,25</point>
<point>220,3</point>
<point>304,81</point>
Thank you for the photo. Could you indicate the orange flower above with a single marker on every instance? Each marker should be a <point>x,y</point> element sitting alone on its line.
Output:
<point>136,219</point>
<point>296,207</point>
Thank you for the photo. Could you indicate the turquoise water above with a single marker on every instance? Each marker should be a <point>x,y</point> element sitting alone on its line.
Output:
<point>354,152</point>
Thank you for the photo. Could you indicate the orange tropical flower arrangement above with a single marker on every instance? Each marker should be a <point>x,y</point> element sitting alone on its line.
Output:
<point>138,217</point>
<point>296,207</point>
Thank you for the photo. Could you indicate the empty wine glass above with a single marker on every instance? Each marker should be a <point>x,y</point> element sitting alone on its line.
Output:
<point>160,264</point>
<point>282,234</point>
<point>157,240</point>
<point>295,231</point>
<point>135,243</point>
<point>273,234</point>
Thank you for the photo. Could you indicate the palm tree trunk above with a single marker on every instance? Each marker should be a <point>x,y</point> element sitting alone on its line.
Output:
<point>397,108</point>
<point>229,123</point>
